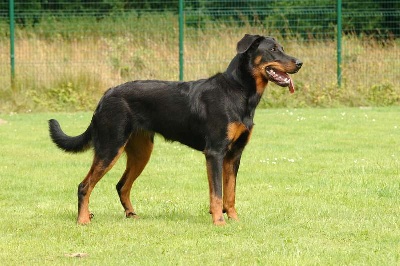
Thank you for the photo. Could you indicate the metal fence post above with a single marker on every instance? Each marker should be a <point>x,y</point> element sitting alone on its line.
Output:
<point>12,33</point>
<point>181,40</point>
<point>339,43</point>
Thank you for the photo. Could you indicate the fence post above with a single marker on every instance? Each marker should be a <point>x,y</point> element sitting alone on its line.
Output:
<point>181,21</point>
<point>12,33</point>
<point>339,43</point>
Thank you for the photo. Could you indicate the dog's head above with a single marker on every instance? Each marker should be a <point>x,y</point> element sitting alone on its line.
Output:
<point>269,61</point>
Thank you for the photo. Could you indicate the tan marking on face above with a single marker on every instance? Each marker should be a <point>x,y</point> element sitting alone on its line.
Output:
<point>260,75</point>
<point>258,59</point>
<point>287,68</point>
<point>260,78</point>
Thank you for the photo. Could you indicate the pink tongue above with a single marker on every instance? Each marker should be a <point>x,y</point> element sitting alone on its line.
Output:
<point>291,86</point>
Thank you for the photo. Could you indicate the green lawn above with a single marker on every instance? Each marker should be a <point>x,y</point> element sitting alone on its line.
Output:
<point>315,187</point>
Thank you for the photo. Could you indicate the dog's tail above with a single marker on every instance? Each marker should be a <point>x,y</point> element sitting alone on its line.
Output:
<point>70,144</point>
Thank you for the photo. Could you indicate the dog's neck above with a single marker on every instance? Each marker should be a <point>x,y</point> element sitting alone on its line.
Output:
<point>239,72</point>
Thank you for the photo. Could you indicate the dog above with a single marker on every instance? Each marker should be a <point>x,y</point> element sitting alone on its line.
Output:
<point>214,116</point>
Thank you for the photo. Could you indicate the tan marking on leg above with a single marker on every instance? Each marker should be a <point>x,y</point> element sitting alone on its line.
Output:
<point>215,202</point>
<point>250,134</point>
<point>138,150</point>
<point>234,130</point>
<point>216,210</point>
<point>229,189</point>
<point>96,172</point>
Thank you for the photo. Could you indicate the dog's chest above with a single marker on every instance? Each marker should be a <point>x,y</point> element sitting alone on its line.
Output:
<point>238,135</point>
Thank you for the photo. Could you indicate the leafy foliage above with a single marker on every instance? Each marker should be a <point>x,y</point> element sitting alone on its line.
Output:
<point>284,15</point>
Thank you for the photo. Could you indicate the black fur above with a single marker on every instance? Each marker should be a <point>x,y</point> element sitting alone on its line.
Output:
<point>213,115</point>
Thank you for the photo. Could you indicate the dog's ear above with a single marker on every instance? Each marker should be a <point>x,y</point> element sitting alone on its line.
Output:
<point>248,41</point>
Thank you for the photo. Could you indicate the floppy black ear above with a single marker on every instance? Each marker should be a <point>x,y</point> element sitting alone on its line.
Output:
<point>247,41</point>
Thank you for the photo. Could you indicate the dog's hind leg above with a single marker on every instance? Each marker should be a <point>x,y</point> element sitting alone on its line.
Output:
<point>99,168</point>
<point>138,150</point>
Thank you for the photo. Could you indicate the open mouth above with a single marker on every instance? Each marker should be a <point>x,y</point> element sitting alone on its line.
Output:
<point>280,78</point>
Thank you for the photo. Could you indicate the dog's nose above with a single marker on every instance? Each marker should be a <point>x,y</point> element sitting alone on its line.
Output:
<point>298,63</point>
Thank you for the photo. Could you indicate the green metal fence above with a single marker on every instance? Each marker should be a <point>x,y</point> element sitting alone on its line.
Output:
<point>103,43</point>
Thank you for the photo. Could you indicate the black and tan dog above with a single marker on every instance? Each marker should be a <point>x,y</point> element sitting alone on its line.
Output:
<point>213,115</point>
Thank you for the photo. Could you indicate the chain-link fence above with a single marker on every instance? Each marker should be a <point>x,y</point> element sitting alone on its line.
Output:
<point>60,45</point>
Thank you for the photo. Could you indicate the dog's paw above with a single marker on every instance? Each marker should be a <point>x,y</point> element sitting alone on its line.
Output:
<point>132,215</point>
<point>220,221</point>
<point>232,215</point>
<point>85,219</point>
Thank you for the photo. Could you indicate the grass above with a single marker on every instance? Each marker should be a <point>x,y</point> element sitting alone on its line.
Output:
<point>67,64</point>
<point>315,187</point>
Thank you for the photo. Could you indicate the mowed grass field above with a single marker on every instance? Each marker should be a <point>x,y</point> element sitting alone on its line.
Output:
<point>315,187</point>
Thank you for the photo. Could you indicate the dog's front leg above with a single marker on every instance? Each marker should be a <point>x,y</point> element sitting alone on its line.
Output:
<point>230,170</point>
<point>214,162</point>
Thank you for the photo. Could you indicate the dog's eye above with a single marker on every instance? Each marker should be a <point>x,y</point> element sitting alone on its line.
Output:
<point>273,49</point>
